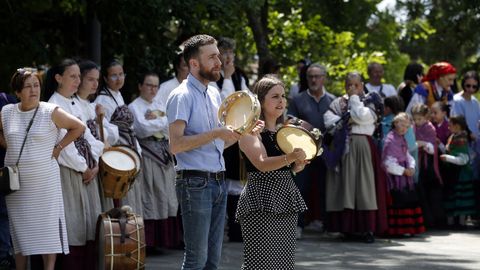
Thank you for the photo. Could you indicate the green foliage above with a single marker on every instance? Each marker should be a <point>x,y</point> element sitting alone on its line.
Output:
<point>343,35</point>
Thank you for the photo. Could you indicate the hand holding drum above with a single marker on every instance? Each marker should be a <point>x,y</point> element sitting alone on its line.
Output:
<point>240,112</point>
<point>297,133</point>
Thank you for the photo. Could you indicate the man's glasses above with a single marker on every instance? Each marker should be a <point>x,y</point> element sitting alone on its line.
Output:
<point>26,71</point>
<point>316,76</point>
<point>474,86</point>
<point>116,77</point>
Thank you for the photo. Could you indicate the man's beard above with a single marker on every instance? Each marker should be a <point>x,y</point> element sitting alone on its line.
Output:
<point>209,74</point>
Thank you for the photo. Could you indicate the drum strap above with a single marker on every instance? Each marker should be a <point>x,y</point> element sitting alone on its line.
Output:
<point>122,221</point>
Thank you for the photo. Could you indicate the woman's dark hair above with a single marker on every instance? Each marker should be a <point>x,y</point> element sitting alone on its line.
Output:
<point>18,79</point>
<point>51,85</point>
<point>141,78</point>
<point>395,103</point>
<point>460,121</point>
<point>442,106</point>
<point>86,66</point>
<point>104,72</point>
<point>262,87</point>
<point>111,63</point>
<point>470,75</point>
<point>411,73</point>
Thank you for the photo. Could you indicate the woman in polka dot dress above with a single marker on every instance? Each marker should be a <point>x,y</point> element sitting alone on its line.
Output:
<point>269,205</point>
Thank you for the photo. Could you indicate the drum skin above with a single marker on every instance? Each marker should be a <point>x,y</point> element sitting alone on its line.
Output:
<point>135,155</point>
<point>240,110</point>
<point>118,168</point>
<point>112,254</point>
<point>298,133</point>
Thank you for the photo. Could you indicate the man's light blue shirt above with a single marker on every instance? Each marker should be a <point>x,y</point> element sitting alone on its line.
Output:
<point>197,105</point>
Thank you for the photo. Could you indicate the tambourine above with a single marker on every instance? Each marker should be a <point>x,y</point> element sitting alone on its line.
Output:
<point>241,110</point>
<point>297,133</point>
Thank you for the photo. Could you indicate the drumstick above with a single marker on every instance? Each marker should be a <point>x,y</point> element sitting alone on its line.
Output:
<point>100,126</point>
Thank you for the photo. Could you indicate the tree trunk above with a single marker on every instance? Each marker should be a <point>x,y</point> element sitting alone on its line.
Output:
<point>257,21</point>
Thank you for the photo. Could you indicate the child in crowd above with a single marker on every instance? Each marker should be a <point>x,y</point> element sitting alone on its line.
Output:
<point>393,105</point>
<point>440,122</point>
<point>404,213</point>
<point>460,200</point>
<point>430,182</point>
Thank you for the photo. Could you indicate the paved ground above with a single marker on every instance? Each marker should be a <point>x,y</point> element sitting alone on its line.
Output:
<point>433,250</point>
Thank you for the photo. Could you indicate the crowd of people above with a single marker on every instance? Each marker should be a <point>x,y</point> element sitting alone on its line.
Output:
<point>395,163</point>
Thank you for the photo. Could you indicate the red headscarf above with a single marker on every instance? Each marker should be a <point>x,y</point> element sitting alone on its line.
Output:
<point>438,70</point>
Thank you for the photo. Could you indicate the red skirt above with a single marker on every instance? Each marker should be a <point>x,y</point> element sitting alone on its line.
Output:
<point>405,221</point>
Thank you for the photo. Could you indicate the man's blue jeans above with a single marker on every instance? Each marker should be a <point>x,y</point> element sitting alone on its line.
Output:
<point>203,205</point>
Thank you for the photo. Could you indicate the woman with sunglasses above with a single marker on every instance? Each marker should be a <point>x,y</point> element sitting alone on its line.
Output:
<point>36,211</point>
<point>118,113</point>
<point>466,104</point>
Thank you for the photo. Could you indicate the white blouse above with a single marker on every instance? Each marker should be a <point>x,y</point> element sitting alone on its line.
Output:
<point>69,156</point>
<point>145,128</point>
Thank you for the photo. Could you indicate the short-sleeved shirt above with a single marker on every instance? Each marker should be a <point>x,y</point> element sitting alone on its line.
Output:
<point>197,105</point>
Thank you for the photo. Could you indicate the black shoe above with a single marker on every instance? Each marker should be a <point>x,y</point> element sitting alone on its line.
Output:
<point>369,238</point>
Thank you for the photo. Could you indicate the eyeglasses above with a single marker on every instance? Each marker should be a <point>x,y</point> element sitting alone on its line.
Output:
<point>116,77</point>
<point>474,86</point>
<point>151,85</point>
<point>317,76</point>
<point>26,70</point>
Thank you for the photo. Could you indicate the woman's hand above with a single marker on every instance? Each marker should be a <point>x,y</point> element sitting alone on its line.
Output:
<point>99,110</point>
<point>297,155</point>
<point>89,175</point>
<point>56,151</point>
<point>300,165</point>
<point>258,128</point>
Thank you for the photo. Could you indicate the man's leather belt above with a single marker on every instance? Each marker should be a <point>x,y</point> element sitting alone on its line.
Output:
<point>209,175</point>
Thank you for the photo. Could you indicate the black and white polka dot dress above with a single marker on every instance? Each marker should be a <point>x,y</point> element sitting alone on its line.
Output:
<point>268,211</point>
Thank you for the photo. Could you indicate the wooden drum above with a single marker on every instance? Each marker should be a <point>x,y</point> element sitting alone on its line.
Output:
<point>118,167</point>
<point>120,242</point>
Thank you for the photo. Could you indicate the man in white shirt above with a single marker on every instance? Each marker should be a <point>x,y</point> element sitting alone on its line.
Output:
<point>181,71</point>
<point>375,75</point>
<point>232,78</point>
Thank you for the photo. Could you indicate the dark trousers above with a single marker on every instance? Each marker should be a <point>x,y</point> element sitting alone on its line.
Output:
<point>313,175</point>
<point>234,230</point>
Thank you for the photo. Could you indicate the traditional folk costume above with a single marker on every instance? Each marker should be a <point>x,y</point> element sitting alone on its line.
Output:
<point>429,91</point>
<point>118,113</point>
<point>110,131</point>
<point>430,184</point>
<point>356,188</point>
<point>159,200</point>
<point>460,200</point>
<point>404,213</point>
<point>442,131</point>
<point>267,211</point>
<point>36,211</point>
<point>82,201</point>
